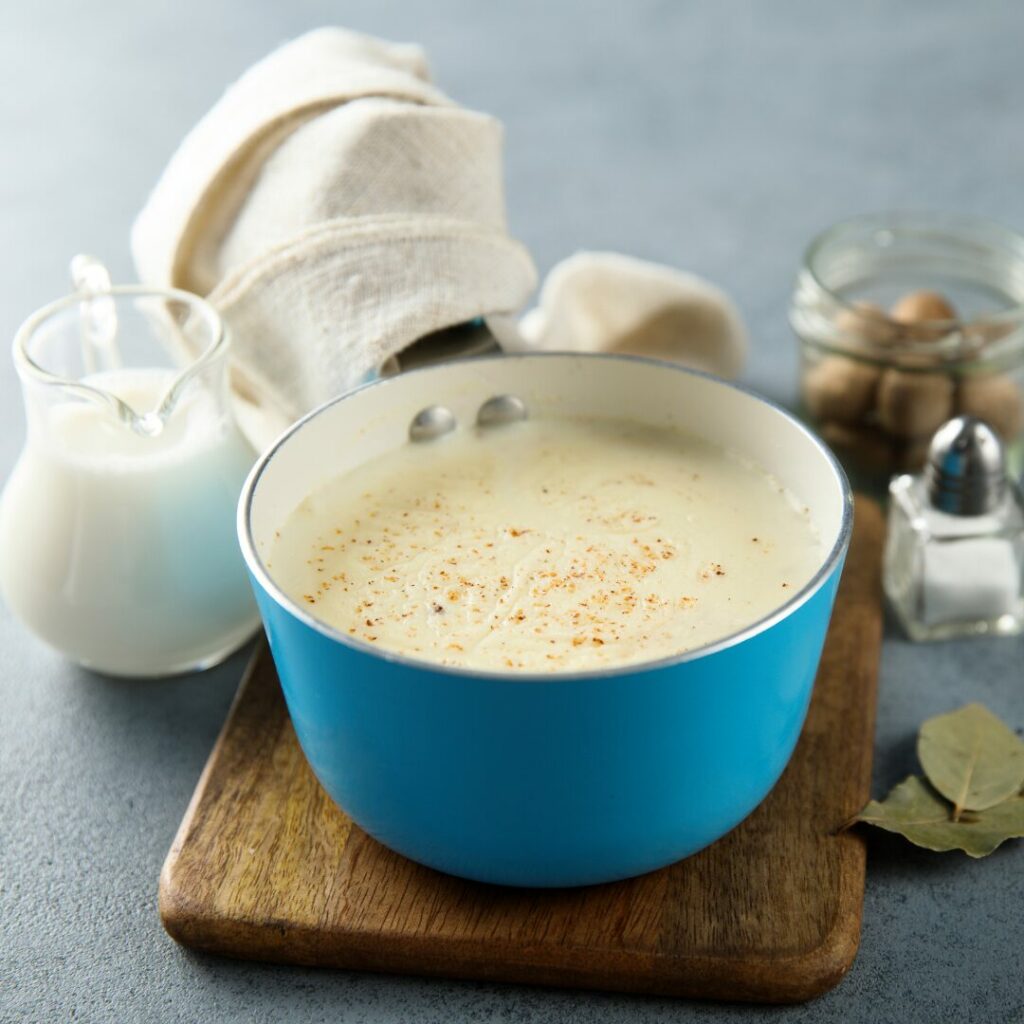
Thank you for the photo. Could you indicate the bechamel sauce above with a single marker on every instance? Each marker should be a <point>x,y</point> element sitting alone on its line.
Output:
<point>547,545</point>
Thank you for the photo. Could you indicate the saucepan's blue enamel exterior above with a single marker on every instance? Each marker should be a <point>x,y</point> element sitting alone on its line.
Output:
<point>562,779</point>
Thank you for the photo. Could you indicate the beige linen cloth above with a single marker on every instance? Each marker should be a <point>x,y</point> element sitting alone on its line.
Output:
<point>334,206</point>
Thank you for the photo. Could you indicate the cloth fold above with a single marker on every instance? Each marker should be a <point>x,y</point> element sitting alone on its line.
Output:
<point>607,302</point>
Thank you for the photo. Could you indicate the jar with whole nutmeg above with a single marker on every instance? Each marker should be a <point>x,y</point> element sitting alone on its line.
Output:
<point>905,320</point>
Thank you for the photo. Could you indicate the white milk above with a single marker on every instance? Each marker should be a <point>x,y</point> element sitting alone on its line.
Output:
<point>119,549</point>
<point>547,546</point>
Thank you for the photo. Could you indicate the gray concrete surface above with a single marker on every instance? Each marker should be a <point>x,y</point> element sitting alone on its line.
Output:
<point>715,137</point>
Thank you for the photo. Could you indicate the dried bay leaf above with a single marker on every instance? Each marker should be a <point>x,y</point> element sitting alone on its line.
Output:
<point>915,811</point>
<point>972,758</point>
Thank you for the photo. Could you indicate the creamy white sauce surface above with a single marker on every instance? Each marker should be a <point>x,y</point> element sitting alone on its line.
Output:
<point>547,546</point>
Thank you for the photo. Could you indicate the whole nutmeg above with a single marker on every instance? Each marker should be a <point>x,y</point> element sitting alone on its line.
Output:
<point>864,447</point>
<point>913,404</point>
<point>921,315</point>
<point>994,398</point>
<point>866,321</point>
<point>840,389</point>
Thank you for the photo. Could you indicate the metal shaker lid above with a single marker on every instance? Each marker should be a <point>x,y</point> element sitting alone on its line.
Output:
<point>966,474</point>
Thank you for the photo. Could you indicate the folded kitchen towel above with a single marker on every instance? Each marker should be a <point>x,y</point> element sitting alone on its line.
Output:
<point>606,302</point>
<point>335,207</point>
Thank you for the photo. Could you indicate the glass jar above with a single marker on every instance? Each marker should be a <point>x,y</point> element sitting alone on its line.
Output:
<point>905,320</point>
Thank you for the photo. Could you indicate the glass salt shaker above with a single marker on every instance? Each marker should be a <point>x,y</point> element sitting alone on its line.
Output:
<point>954,559</point>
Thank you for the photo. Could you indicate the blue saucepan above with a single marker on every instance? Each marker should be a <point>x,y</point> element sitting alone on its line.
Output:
<point>563,779</point>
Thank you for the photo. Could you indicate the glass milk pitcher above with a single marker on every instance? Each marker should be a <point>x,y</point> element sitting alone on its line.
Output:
<point>117,535</point>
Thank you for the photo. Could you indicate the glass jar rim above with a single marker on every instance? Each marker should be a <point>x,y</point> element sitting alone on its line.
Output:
<point>890,220</point>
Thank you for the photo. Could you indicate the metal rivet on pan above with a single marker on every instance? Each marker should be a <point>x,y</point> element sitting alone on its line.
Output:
<point>433,422</point>
<point>501,409</point>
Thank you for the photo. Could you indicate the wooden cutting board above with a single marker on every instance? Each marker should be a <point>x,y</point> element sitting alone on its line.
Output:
<point>266,867</point>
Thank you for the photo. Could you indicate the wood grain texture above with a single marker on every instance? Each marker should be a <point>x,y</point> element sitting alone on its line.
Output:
<point>265,866</point>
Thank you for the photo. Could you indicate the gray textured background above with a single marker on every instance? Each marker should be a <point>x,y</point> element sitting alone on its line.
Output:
<point>715,137</point>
